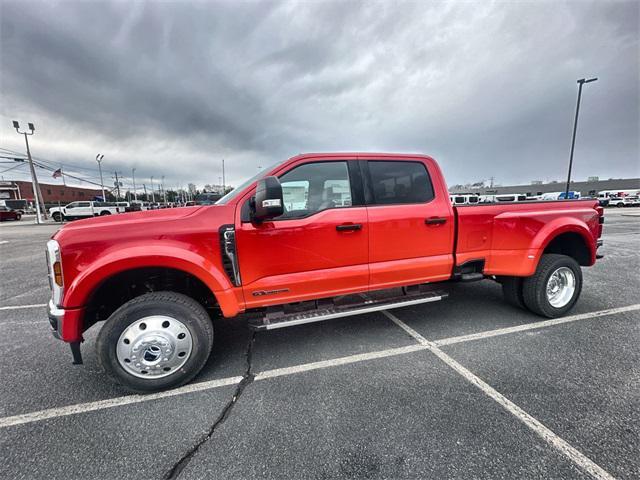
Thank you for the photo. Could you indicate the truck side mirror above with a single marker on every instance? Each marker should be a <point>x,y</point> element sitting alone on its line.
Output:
<point>267,202</point>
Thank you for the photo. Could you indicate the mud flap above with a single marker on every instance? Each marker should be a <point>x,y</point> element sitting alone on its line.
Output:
<point>75,352</point>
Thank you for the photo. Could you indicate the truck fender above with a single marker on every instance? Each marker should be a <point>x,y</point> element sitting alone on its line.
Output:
<point>558,227</point>
<point>134,257</point>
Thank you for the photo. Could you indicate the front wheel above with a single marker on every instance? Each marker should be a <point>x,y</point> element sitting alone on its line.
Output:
<point>105,212</point>
<point>157,341</point>
<point>57,216</point>
<point>18,217</point>
<point>555,287</point>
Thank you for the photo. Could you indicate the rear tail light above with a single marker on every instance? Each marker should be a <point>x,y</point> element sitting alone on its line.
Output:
<point>600,211</point>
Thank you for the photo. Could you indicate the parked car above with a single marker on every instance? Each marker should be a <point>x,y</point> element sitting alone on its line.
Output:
<point>505,197</point>
<point>156,278</point>
<point>18,205</point>
<point>464,199</point>
<point>621,202</point>
<point>137,206</point>
<point>78,210</point>
<point>7,213</point>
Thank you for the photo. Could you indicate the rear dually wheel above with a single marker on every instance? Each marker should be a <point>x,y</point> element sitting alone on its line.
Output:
<point>555,287</point>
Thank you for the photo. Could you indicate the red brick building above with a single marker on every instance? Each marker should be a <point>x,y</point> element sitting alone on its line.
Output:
<point>64,194</point>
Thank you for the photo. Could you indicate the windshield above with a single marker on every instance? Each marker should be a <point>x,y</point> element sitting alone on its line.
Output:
<point>240,188</point>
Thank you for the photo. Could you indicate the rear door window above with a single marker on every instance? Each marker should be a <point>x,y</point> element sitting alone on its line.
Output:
<point>398,182</point>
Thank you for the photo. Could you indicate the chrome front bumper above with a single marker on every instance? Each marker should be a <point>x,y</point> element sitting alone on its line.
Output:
<point>56,318</point>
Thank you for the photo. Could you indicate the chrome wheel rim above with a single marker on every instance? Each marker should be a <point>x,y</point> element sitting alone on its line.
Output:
<point>154,347</point>
<point>560,287</point>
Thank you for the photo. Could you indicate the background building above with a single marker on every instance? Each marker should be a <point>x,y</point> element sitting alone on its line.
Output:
<point>590,187</point>
<point>64,194</point>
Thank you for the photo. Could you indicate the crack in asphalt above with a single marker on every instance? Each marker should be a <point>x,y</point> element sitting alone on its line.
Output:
<point>247,378</point>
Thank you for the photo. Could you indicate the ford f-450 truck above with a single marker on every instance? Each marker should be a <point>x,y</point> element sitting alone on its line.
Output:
<point>315,237</point>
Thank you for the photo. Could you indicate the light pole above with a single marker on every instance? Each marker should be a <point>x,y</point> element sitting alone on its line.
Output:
<point>133,175</point>
<point>99,160</point>
<point>581,82</point>
<point>223,179</point>
<point>153,195</point>
<point>37,194</point>
<point>164,193</point>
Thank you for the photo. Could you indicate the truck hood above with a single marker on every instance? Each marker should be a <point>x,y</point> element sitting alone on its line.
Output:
<point>151,224</point>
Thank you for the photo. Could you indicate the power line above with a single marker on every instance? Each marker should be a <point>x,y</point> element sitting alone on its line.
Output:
<point>15,166</point>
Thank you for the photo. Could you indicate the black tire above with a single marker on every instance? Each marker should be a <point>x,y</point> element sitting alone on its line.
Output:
<point>512,291</point>
<point>534,288</point>
<point>57,216</point>
<point>105,212</point>
<point>18,217</point>
<point>189,312</point>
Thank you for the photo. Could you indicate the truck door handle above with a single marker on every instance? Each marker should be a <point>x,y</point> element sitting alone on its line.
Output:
<point>435,221</point>
<point>349,227</point>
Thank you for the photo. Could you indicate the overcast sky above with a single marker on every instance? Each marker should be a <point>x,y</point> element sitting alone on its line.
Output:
<point>488,89</point>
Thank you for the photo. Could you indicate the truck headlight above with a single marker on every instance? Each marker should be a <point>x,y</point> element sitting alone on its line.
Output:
<point>54,265</point>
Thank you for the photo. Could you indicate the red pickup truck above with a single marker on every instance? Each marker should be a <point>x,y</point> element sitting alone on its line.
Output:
<point>315,237</point>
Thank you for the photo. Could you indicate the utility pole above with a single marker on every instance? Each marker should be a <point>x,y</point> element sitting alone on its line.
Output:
<point>99,160</point>
<point>223,179</point>
<point>37,193</point>
<point>164,193</point>
<point>133,175</point>
<point>145,192</point>
<point>117,187</point>
<point>153,195</point>
<point>581,82</point>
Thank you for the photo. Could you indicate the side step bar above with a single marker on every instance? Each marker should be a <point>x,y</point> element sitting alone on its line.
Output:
<point>317,315</point>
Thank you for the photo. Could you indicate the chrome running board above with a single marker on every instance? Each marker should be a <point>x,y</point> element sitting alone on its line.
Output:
<point>282,320</point>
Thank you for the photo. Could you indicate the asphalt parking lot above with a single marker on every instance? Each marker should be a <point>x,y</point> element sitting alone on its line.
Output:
<point>464,388</point>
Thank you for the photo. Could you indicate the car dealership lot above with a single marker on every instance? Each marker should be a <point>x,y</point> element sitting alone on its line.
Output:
<point>411,393</point>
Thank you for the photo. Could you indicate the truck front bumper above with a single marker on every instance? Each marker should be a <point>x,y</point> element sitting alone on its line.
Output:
<point>66,323</point>
<point>56,320</point>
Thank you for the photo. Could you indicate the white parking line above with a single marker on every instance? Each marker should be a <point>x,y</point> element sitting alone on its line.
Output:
<point>18,307</point>
<point>583,462</point>
<point>278,372</point>
<point>2,242</point>
<point>196,387</point>
<point>113,402</point>
<point>534,326</point>
<point>306,367</point>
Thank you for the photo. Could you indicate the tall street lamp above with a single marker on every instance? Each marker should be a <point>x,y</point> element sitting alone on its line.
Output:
<point>581,82</point>
<point>37,193</point>
<point>153,195</point>
<point>133,175</point>
<point>99,160</point>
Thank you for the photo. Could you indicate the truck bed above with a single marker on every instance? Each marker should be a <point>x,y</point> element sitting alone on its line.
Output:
<point>510,237</point>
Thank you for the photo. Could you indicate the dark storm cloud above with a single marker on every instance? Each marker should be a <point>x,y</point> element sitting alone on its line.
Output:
<point>171,88</point>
